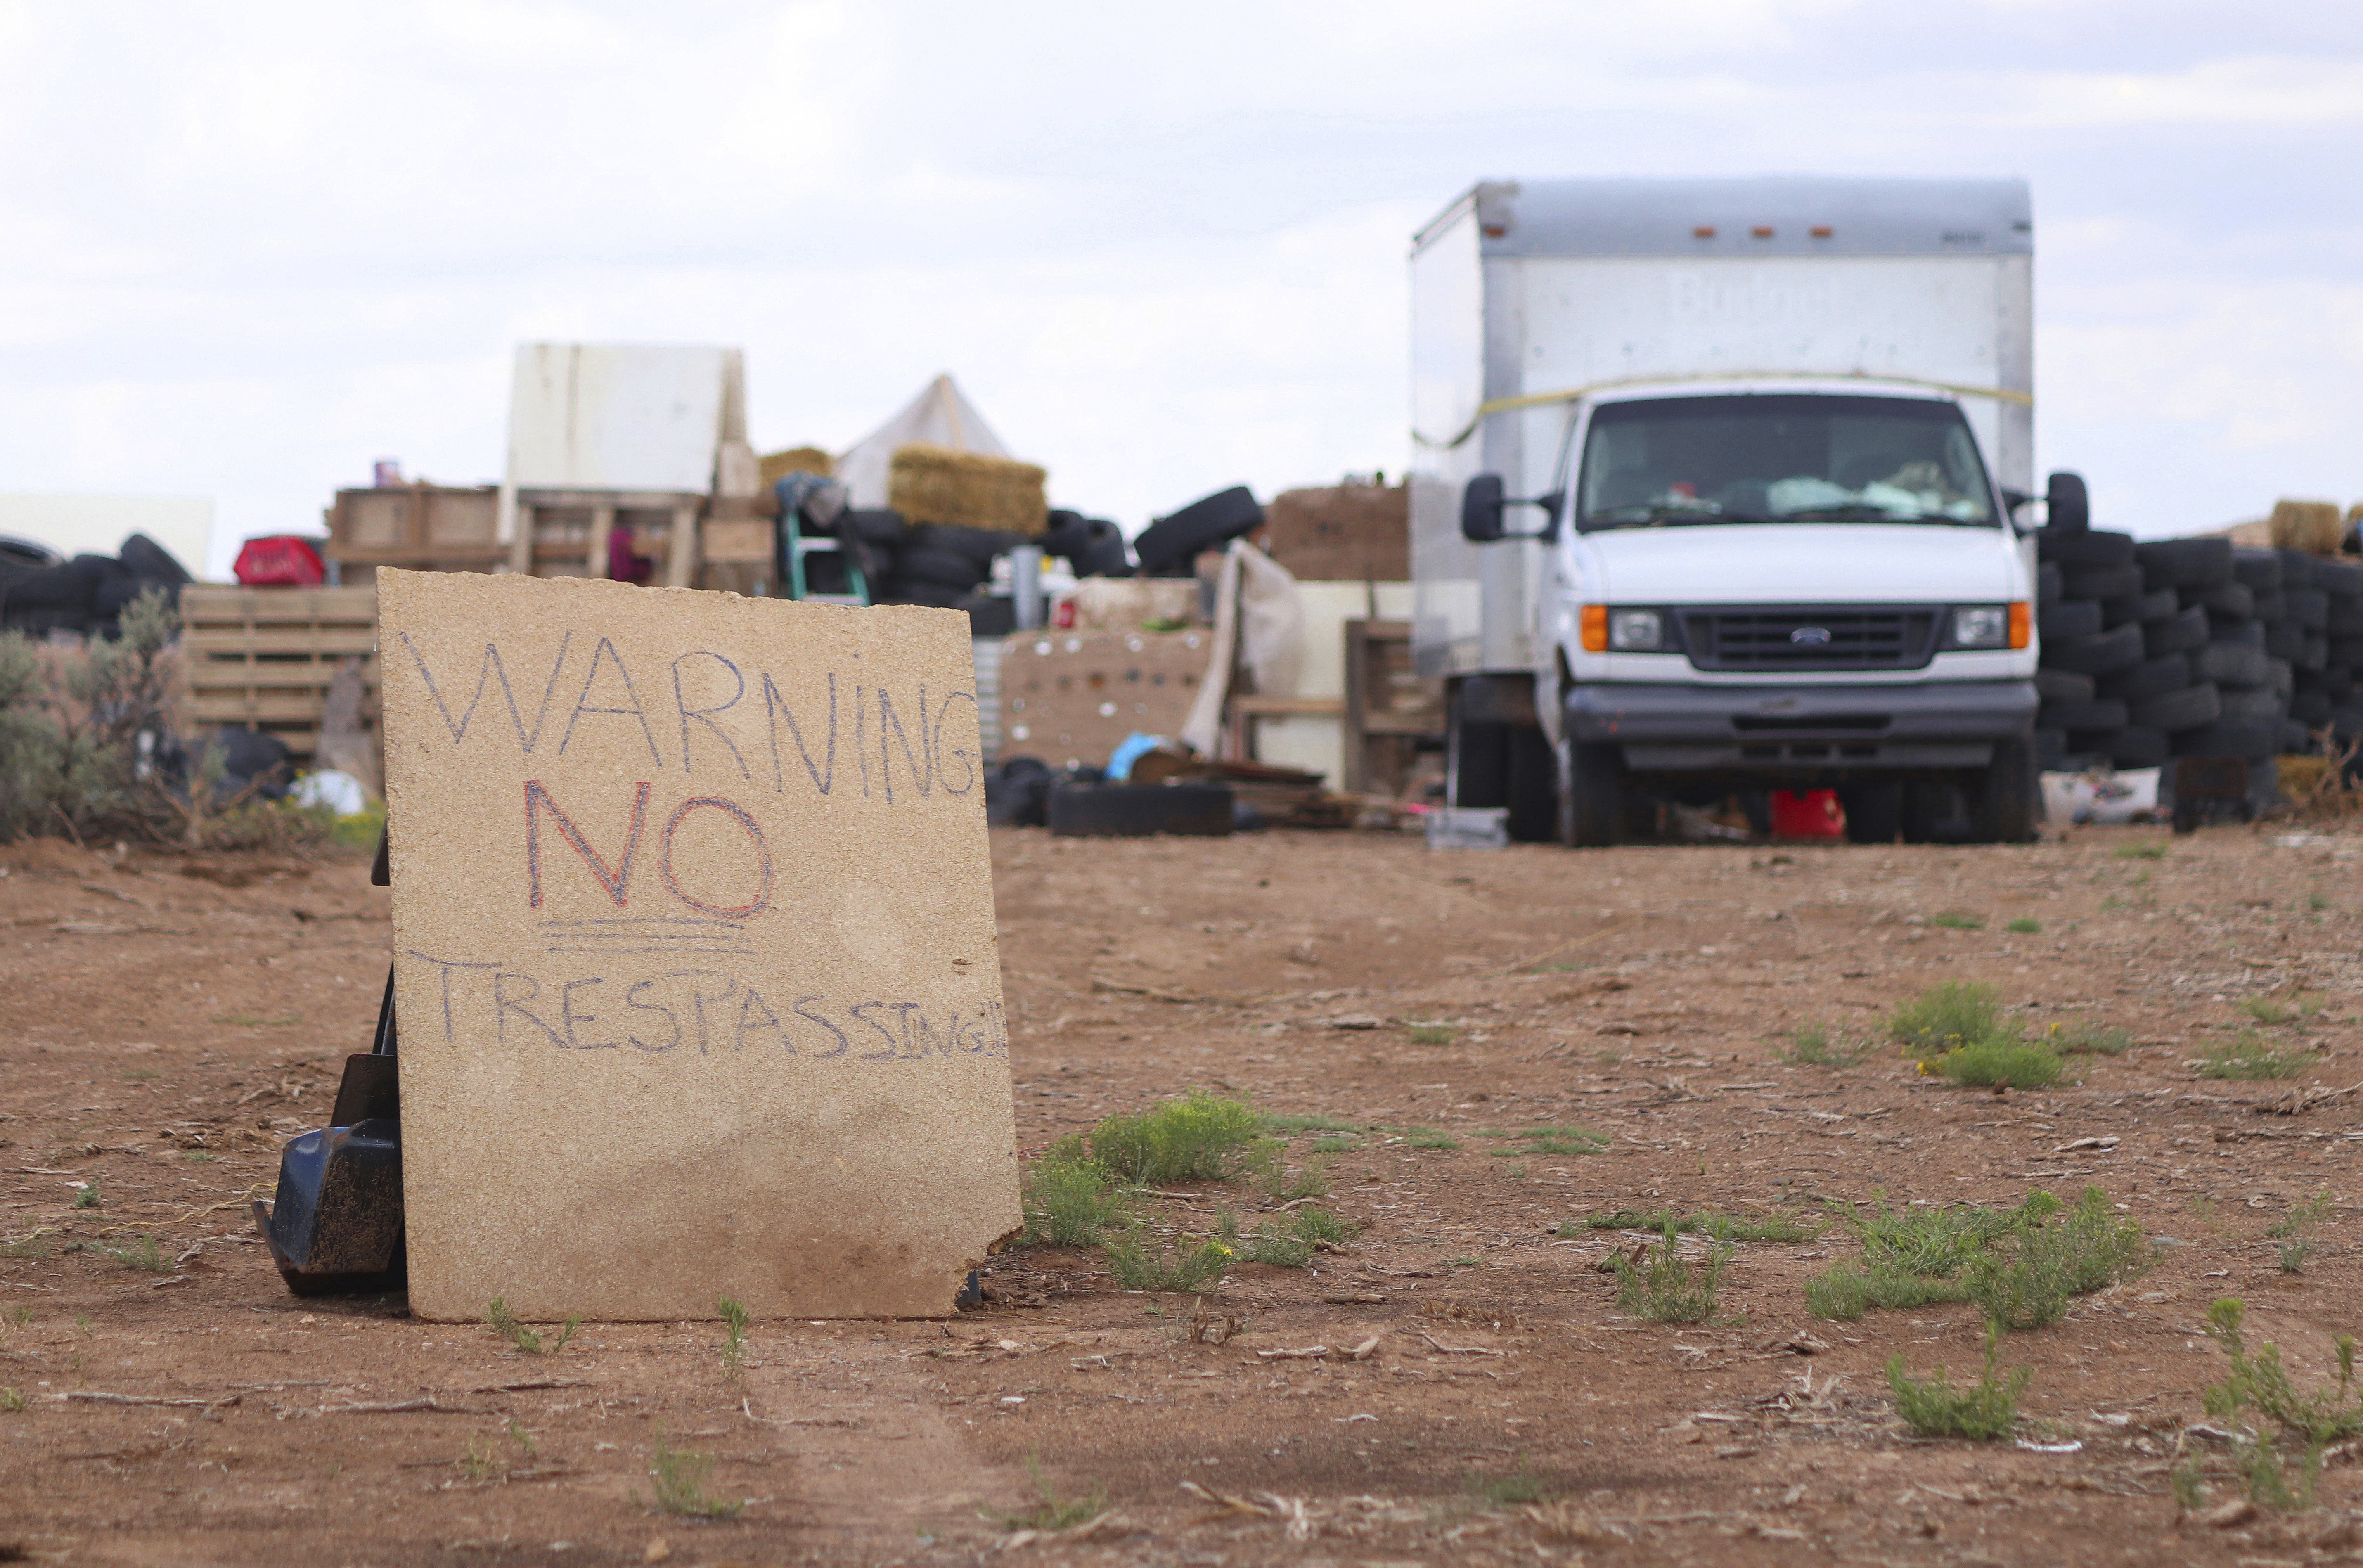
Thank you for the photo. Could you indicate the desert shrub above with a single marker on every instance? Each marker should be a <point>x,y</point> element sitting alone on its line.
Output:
<point>2260,1384</point>
<point>679,1480</point>
<point>2089,1248</point>
<point>2000,1063</point>
<point>2020,1268</point>
<point>1070,1199</point>
<point>505,1323</point>
<point>1948,1015</point>
<point>1290,1243</point>
<point>1983,1411</point>
<point>1051,1512</point>
<point>1198,1138</point>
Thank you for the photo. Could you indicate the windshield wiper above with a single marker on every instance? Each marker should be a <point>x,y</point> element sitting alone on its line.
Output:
<point>1659,515</point>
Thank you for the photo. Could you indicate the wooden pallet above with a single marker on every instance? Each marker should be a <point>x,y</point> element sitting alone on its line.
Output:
<point>263,657</point>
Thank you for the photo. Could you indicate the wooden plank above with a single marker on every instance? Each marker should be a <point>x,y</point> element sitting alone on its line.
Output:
<point>205,602</point>
<point>730,541</point>
<point>218,708</point>
<point>332,642</point>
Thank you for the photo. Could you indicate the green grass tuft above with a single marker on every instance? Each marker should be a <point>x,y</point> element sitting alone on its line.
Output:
<point>1198,1138</point>
<point>679,1480</point>
<point>11,1400</point>
<point>1291,1243</point>
<point>1958,921</point>
<point>1668,1289</point>
<point>734,1343</point>
<point>142,1254</point>
<point>2000,1063</point>
<point>1181,1267</point>
<point>1516,1489</point>
<point>1561,1141</point>
<point>2025,927</point>
<point>2087,1038</point>
<point>1817,1047</point>
<point>2249,1058</point>
<point>1288,1124</point>
<point>1430,1034</point>
<point>2147,850</point>
<point>1425,1137</point>
<point>1947,1016</point>
<point>89,1197</point>
<point>2089,1248</point>
<point>505,1323</point>
<point>1070,1199</point>
<point>1983,1411</point>
<point>1051,1512</point>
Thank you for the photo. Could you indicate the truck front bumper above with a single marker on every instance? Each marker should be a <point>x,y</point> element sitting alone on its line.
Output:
<point>1790,729</point>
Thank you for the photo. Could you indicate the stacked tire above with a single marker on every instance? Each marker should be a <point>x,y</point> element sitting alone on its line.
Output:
<point>2323,642</point>
<point>2168,649</point>
<point>88,594</point>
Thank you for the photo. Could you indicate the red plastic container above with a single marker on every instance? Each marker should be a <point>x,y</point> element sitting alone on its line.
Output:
<point>1807,814</point>
<point>280,560</point>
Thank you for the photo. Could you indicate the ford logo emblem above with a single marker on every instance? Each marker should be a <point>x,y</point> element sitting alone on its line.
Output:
<point>1811,636</point>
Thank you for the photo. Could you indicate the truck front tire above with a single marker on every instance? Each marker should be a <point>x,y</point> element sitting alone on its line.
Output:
<point>2007,802</point>
<point>1590,796</point>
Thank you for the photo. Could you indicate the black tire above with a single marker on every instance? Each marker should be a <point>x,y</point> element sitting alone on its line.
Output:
<point>2257,705</point>
<point>1140,811</point>
<point>2259,568</point>
<point>2133,747</point>
<point>2063,685</point>
<point>2097,655</point>
<point>976,546</point>
<point>2226,599</point>
<point>53,588</point>
<point>2297,569</point>
<point>2339,579</point>
<point>1874,808</point>
<point>2082,550</point>
<point>1592,796</point>
<point>2345,652</point>
<point>1476,760</point>
<point>117,594</point>
<point>2317,652</point>
<point>1204,523</point>
<point>2116,613</point>
<point>2338,683</point>
<point>2296,741</point>
<point>1022,802</point>
<point>2069,618</point>
<point>873,525</point>
<point>2185,562</point>
<point>2272,605</point>
<point>2186,709</point>
<point>2067,505</point>
<point>2235,633</point>
<point>2050,583</point>
<point>2100,713</point>
<point>2280,675</point>
<point>38,621</point>
<point>1533,787</point>
<point>2308,608</point>
<point>1071,536</point>
<point>2344,618</point>
<point>2310,708</point>
<point>2050,751</point>
<point>1933,813</point>
<point>989,616</point>
<point>2229,740</point>
<point>143,557</point>
<point>1107,559</point>
<point>2006,801</point>
<point>2231,664</point>
<point>2104,582</point>
<point>2283,640</point>
<point>2184,633</point>
<point>916,564</point>
<point>936,596</point>
<point>2148,679</point>
<point>2159,606</point>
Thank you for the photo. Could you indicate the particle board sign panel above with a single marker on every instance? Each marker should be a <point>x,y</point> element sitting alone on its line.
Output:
<point>1071,697</point>
<point>694,952</point>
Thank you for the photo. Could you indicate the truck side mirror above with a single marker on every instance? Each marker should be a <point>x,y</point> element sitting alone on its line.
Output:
<point>1480,509</point>
<point>2071,508</point>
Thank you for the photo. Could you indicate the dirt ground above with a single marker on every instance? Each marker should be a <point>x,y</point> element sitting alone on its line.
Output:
<point>164,1032</point>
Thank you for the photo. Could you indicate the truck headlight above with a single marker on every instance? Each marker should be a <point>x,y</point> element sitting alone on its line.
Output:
<point>1982,626</point>
<point>1635,631</point>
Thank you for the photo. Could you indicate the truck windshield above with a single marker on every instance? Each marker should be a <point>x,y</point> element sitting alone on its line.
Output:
<point>1798,457</point>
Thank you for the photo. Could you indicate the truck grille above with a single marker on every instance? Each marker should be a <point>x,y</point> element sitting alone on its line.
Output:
<point>1787,637</point>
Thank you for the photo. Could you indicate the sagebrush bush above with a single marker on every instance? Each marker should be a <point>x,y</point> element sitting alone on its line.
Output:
<point>1198,1138</point>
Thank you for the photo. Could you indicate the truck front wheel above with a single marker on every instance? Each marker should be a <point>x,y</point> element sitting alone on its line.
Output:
<point>1590,796</point>
<point>2007,800</point>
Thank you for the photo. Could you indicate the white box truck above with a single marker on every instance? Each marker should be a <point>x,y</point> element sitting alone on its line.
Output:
<point>1717,489</point>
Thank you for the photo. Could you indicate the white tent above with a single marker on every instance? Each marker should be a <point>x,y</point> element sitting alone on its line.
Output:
<point>939,416</point>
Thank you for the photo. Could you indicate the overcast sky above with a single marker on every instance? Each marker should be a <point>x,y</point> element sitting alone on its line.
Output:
<point>245,247</point>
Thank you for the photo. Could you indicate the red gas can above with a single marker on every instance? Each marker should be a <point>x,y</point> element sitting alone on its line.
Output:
<point>1807,814</point>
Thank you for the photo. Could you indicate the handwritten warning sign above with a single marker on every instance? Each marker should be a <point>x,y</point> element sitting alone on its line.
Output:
<point>694,952</point>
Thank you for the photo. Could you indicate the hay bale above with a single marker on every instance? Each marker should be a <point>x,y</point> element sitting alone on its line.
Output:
<point>795,460</point>
<point>2314,527</point>
<point>937,484</point>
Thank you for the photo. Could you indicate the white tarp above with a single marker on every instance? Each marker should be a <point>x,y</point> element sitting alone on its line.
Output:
<point>623,416</point>
<point>941,416</point>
